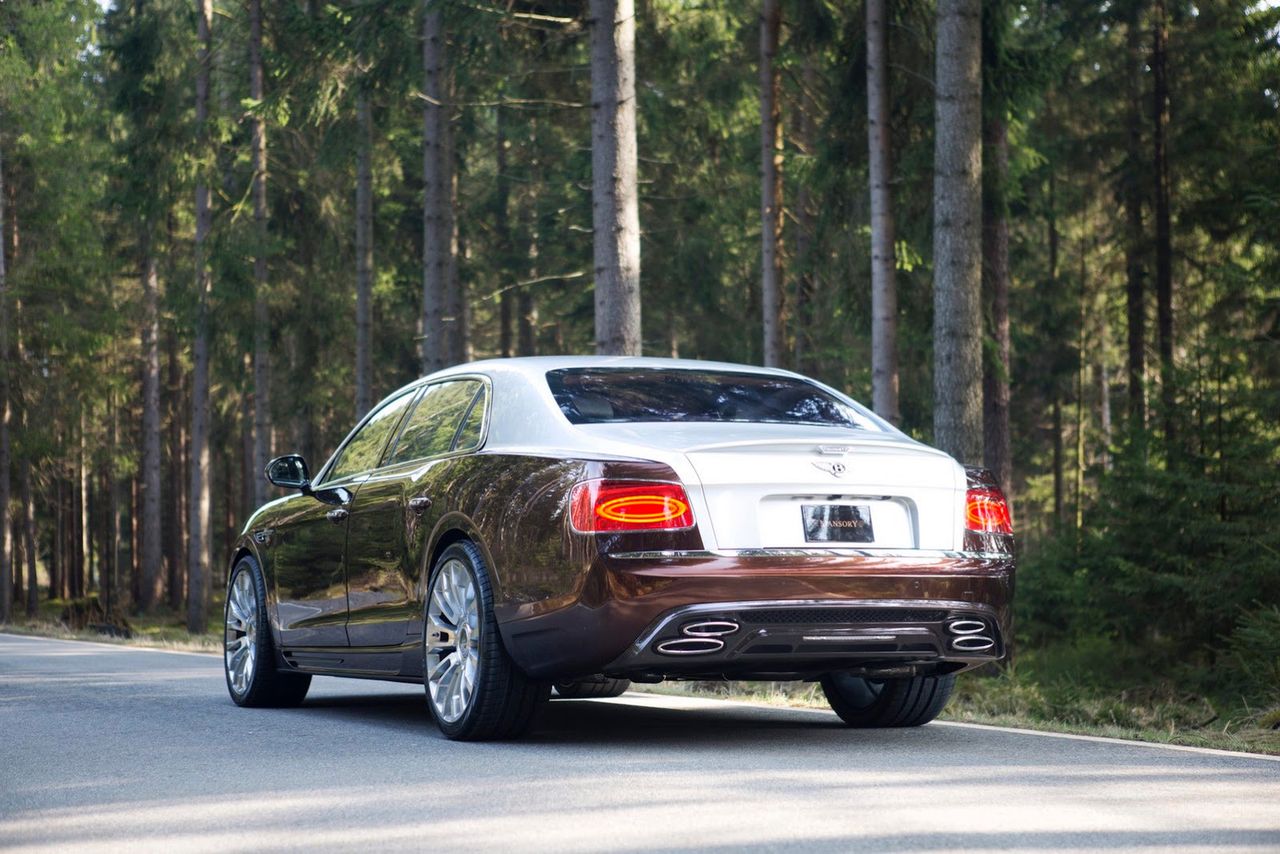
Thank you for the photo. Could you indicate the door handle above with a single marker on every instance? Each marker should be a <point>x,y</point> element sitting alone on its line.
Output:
<point>420,504</point>
<point>337,515</point>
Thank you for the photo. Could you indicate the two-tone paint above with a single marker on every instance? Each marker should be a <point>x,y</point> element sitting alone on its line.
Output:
<point>346,589</point>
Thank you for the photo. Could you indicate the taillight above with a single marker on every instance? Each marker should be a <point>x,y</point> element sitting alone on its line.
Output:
<point>602,506</point>
<point>987,511</point>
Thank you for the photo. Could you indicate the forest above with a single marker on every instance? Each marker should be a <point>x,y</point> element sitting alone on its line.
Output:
<point>1043,236</point>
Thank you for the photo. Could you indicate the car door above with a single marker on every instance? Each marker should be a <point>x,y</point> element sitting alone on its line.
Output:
<point>309,546</point>
<point>399,503</point>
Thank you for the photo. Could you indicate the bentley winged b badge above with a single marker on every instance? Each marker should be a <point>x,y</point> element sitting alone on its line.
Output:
<point>833,469</point>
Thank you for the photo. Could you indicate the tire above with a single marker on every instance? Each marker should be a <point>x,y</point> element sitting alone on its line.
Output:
<point>588,689</point>
<point>887,702</point>
<point>474,690</point>
<point>249,655</point>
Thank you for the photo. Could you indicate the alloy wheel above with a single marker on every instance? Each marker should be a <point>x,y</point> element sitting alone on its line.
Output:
<point>452,641</point>
<point>242,632</point>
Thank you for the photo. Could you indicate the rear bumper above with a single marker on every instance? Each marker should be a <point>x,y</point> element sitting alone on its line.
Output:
<point>789,614</point>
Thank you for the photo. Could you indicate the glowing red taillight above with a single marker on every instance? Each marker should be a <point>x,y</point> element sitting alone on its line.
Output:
<point>987,511</point>
<point>603,506</point>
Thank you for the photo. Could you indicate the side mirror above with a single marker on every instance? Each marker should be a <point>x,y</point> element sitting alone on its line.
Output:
<point>289,471</point>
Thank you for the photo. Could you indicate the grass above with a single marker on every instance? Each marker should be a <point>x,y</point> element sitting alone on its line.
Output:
<point>1077,690</point>
<point>162,630</point>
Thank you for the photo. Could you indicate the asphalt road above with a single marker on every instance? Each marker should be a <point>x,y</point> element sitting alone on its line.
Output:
<point>111,748</point>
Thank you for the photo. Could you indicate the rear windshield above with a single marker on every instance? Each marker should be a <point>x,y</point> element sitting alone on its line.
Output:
<point>612,395</point>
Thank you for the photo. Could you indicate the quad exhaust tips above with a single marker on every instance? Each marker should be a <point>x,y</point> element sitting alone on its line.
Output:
<point>968,636</point>
<point>700,638</point>
<point>707,636</point>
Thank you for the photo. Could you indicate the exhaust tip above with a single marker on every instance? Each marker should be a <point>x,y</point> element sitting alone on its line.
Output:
<point>966,627</point>
<point>973,643</point>
<point>710,628</point>
<point>690,646</point>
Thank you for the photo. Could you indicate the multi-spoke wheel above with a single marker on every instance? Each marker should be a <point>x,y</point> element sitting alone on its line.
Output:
<point>474,689</point>
<point>242,633</point>
<point>249,658</point>
<point>453,640</point>
<point>887,702</point>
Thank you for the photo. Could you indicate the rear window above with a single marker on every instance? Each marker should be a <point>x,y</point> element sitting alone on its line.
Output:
<point>613,395</point>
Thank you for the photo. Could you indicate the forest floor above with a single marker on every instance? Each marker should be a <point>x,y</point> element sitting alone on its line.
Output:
<point>1162,712</point>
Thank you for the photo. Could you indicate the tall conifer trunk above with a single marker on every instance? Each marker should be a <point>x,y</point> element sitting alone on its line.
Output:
<point>997,455</point>
<point>770,184</point>
<point>437,230</point>
<point>6,527</point>
<point>614,191</point>
<point>884,292</point>
<point>29,534</point>
<point>1164,240</point>
<point>364,253</point>
<point>1135,242</point>
<point>261,309</point>
<point>502,231</point>
<point>957,232</point>
<point>151,588</point>
<point>198,506</point>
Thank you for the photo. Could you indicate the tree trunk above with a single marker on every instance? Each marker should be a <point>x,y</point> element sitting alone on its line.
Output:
<point>173,521</point>
<point>80,489</point>
<point>770,184</point>
<point>261,309</point>
<point>436,231</point>
<point>364,253</point>
<point>1164,247</point>
<point>57,565</point>
<point>29,539</point>
<point>1057,460</point>
<point>502,232</point>
<point>1081,365</point>
<point>884,291</point>
<point>151,589</point>
<point>527,327</point>
<point>6,528</point>
<point>614,191</point>
<point>957,232</point>
<point>806,238</point>
<point>457,320</point>
<point>198,503</point>
<point>526,305</point>
<point>1135,242</point>
<point>997,455</point>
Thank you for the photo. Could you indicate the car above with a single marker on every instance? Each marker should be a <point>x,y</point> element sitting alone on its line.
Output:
<point>505,527</point>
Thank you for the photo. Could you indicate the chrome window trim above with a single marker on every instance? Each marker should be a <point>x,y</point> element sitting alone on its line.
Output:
<point>485,383</point>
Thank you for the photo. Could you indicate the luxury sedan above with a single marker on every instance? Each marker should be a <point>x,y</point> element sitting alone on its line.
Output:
<point>504,528</point>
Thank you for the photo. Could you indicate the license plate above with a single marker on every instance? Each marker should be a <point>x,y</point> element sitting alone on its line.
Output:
<point>837,523</point>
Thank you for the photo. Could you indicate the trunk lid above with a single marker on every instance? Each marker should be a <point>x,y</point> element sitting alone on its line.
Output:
<point>779,486</point>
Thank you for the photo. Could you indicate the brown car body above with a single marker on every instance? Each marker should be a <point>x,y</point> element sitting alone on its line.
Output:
<point>571,605</point>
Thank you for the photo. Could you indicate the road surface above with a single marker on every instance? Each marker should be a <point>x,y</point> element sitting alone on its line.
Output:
<point>111,748</point>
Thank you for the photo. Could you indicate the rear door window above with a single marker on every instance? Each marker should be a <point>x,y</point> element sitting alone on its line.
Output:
<point>435,421</point>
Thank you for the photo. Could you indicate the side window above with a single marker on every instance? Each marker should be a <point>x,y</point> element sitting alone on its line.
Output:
<point>365,448</point>
<point>430,428</point>
<point>469,435</point>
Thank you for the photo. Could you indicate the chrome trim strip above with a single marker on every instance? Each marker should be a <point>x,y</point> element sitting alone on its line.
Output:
<point>695,554</point>
<point>657,626</point>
